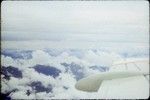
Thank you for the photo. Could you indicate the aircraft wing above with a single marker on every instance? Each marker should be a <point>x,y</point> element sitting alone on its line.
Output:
<point>136,87</point>
<point>125,80</point>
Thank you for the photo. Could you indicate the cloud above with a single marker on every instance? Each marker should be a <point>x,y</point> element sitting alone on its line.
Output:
<point>100,58</point>
<point>63,85</point>
<point>7,61</point>
<point>61,21</point>
<point>40,57</point>
<point>22,95</point>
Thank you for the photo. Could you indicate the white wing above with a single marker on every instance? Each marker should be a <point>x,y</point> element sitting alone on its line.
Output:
<point>92,83</point>
<point>141,65</point>
<point>129,82</point>
<point>126,88</point>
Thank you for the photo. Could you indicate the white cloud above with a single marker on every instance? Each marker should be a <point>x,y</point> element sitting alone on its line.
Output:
<point>7,61</point>
<point>100,58</point>
<point>63,85</point>
<point>35,76</point>
<point>22,95</point>
<point>75,21</point>
<point>40,57</point>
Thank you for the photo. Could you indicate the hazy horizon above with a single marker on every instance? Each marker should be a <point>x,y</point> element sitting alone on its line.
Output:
<point>74,23</point>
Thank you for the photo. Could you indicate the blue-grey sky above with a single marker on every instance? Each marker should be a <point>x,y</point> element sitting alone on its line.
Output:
<point>67,21</point>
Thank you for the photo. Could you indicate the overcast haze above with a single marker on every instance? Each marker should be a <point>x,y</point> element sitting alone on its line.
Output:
<point>75,21</point>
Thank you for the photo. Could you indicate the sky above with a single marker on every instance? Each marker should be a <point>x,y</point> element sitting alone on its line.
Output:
<point>74,22</point>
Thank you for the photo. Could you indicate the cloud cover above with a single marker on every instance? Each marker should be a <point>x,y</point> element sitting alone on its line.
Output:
<point>62,85</point>
<point>75,21</point>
